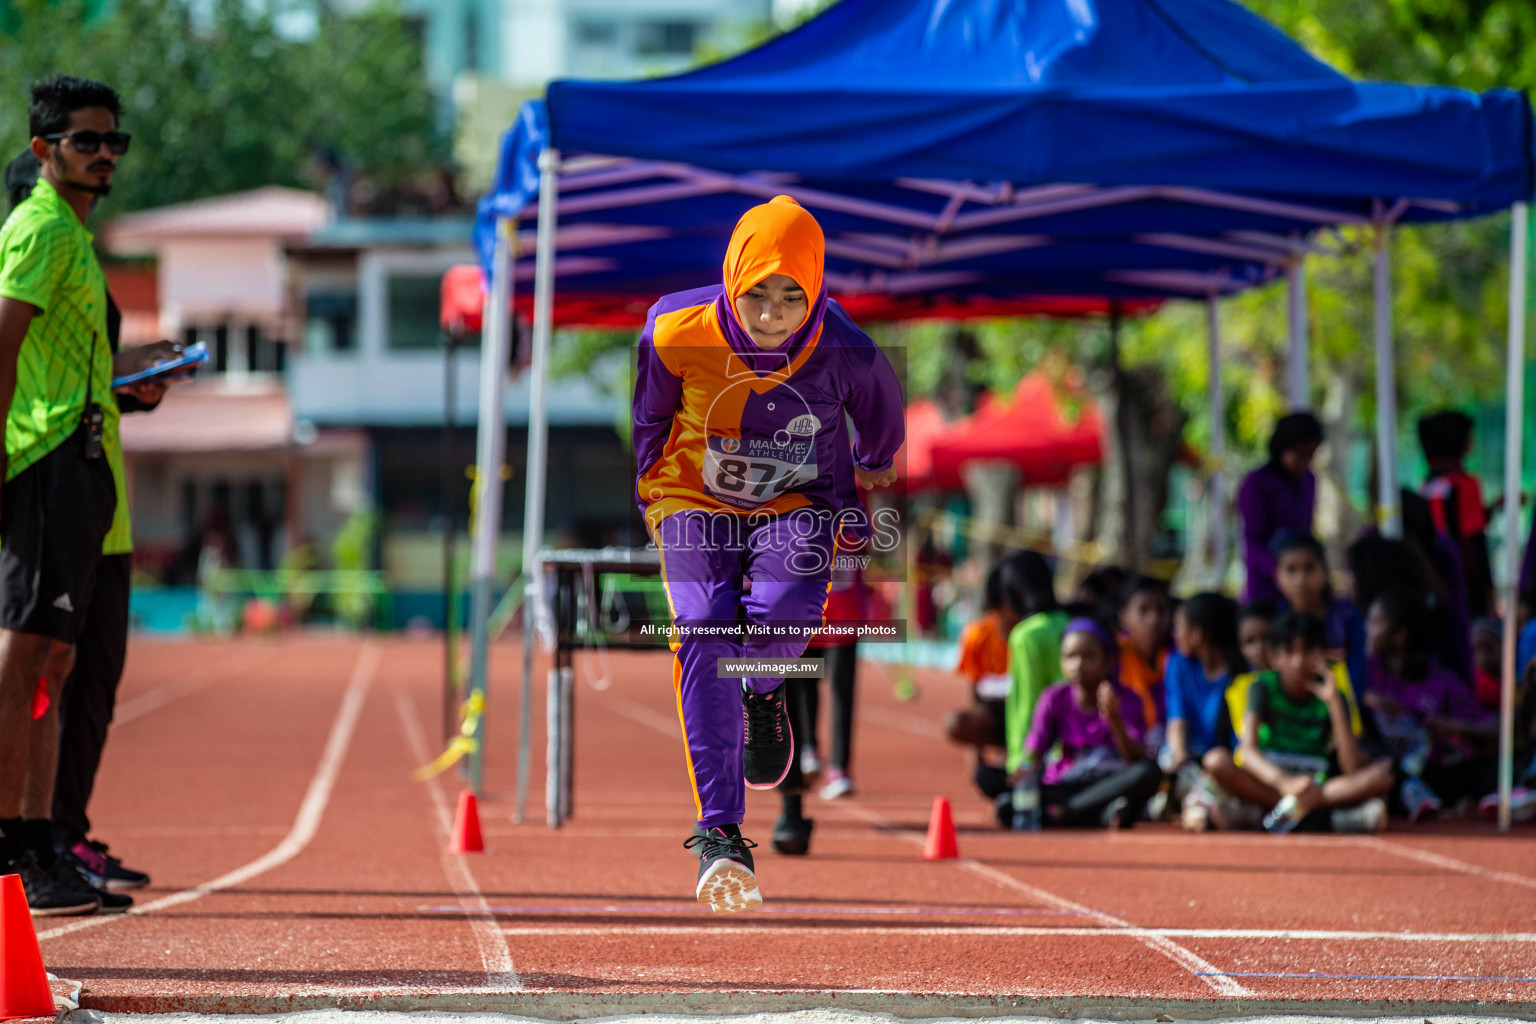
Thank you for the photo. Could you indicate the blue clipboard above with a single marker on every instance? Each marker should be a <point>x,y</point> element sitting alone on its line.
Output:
<point>191,357</point>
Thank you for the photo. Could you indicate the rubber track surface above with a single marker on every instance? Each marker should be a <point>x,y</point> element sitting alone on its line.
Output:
<point>266,787</point>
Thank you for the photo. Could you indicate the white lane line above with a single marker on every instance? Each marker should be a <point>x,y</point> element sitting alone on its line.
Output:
<point>1205,971</point>
<point>500,972</point>
<point>1299,935</point>
<point>305,824</point>
<point>188,684</point>
<point>1442,861</point>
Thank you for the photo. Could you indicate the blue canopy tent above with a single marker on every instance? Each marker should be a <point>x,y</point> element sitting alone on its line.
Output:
<point>961,150</point>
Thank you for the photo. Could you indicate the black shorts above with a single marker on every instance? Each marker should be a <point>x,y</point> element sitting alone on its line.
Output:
<point>997,731</point>
<point>54,516</point>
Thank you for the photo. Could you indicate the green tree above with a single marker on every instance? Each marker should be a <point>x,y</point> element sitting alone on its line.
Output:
<point>226,102</point>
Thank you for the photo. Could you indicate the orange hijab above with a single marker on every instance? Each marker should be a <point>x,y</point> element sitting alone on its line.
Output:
<point>778,237</point>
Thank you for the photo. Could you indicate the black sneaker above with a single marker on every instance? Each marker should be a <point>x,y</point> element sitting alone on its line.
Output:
<point>46,895</point>
<point>792,835</point>
<point>770,741</point>
<point>726,882</point>
<point>101,869</point>
<point>69,877</point>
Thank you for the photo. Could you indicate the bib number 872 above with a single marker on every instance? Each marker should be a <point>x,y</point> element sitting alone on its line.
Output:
<point>733,477</point>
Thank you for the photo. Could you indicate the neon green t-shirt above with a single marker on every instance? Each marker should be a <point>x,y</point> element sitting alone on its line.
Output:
<point>47,261</point>
<point>1034,662</point>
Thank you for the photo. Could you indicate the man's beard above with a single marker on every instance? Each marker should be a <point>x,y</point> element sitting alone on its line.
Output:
<point>100,189</point>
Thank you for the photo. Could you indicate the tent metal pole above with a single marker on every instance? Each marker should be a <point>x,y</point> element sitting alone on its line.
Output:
<point>538,451</point>
<point>1217,490</point>
<point>490,454</point>
<point>1298,368</point>
<point>1514,431</point>
<point>1390,517</point>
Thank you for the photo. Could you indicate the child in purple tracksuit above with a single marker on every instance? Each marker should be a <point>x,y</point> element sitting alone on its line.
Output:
<point>748,477</point>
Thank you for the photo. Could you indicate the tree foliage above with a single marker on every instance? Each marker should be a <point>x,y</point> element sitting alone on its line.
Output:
<point>222,100</point>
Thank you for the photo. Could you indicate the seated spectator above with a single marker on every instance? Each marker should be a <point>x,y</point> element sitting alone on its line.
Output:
<point>1146,639</point>
<point>1301,572</point>
<point>1427,718</point>
<point>1253,633</point>
<point>1098,595</point>
<point>1206,661</point>
<point>1102,776</point>
<point>1299,750</point>
<point>1525,646</point>
<point>1034,645</point>
<point>1487,660</point>
<point>1375,564</point>
<point>984,664</point>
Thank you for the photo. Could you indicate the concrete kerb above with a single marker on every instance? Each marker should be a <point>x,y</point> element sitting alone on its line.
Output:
<point>770,1007</point>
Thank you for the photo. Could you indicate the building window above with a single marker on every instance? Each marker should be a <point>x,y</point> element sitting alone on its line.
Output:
<point>472,38</point>
<point>665,38</point>
<point>593,32</point>
<point>330,321</point>
<point>414,301</point>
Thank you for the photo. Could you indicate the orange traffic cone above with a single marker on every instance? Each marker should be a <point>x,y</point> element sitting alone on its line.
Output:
<point>23,982</point>
<point>466,826</point>
<point>941,844</point>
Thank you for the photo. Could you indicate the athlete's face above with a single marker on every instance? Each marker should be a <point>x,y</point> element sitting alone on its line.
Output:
<point>68,167</point>
<point>772,310</point>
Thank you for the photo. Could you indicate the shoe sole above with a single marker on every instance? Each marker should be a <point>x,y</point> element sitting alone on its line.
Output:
<point>729,888</point>
<point>76,911</point>
<point>782,775</point>
<point>118,886</point>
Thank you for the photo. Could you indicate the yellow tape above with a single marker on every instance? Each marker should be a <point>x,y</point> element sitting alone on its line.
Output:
<point>461,745</point>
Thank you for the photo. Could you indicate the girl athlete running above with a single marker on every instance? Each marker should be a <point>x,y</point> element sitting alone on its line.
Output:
<point>748,482</point>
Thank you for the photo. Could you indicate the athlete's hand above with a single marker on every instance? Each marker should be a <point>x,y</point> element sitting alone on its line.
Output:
<point>869,481</point>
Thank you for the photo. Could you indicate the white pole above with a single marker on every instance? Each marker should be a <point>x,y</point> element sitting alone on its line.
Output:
<point>489,455</point>
<point>1298,369</point>
<point>1389,515</point>
<point>538,446</point>
<point>1217,493</point>
<point>1514,426</point>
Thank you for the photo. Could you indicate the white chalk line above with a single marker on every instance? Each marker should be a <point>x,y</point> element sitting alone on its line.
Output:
<point>1235,934</point>
<point>1442,861</point>
<point>190,683</point>
<point>495,957</point>
<point>305,824</point>
<point>1205,971</point>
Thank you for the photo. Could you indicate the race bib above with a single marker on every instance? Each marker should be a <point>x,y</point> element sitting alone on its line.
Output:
<point>752,473</point>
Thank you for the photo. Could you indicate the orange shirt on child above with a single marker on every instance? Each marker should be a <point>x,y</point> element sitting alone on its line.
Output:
<point>984,656</point>
<point>1145,679</point>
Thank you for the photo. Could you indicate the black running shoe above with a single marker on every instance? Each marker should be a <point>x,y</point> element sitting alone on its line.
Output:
<point>101,869</point>
<point>69,877</point>
<point>727,884</point>
<point>49,897</point>
<point>792,835</point>
<point>770,741</point>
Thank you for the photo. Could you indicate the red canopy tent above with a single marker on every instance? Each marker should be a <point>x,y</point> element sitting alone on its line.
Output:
<point>463,303</point>
<point>1032,431</point>
<point>914,460</point>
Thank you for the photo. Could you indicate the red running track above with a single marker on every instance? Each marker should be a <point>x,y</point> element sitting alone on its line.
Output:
<point>266,787</point>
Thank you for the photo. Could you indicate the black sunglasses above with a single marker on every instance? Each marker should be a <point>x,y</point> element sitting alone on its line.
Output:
<point>88,142</point>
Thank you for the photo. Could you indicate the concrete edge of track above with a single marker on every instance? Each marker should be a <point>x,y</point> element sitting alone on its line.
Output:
<point>568,1006</point>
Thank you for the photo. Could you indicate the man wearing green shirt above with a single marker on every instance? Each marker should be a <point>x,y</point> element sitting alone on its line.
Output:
<point>59,495</point>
